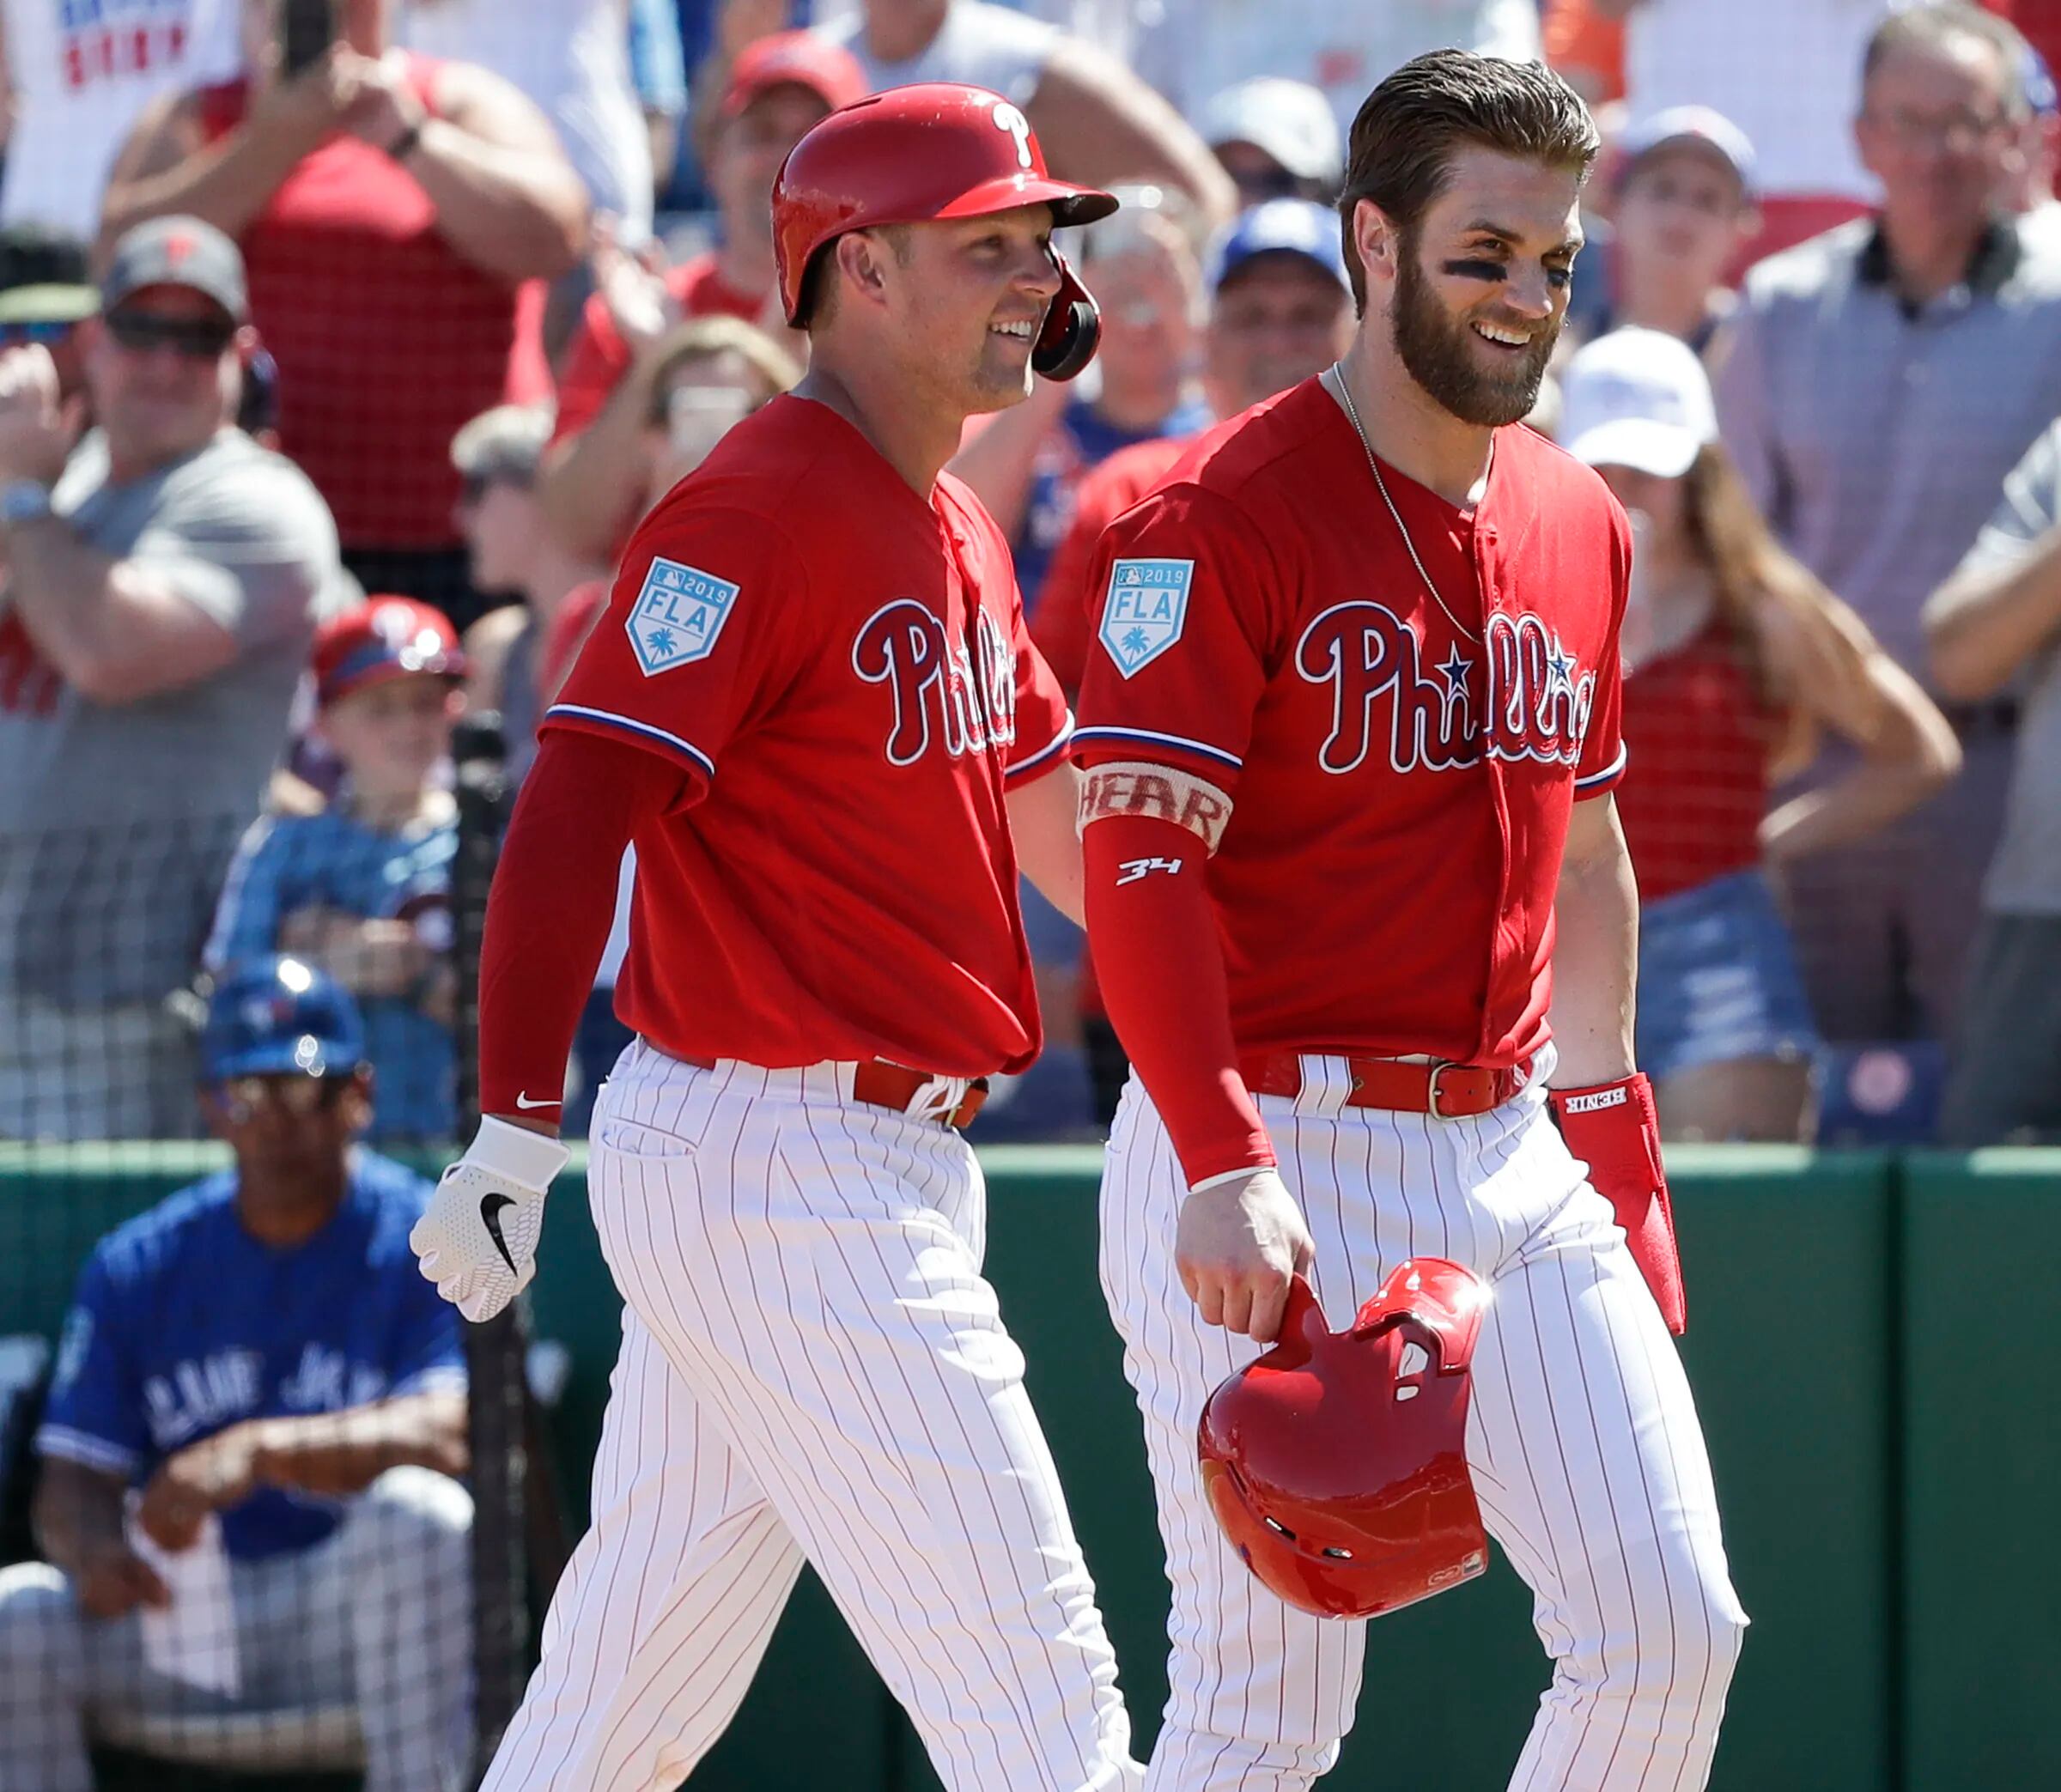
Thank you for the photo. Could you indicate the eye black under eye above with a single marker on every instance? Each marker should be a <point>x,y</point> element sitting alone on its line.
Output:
<point>1468,269</point>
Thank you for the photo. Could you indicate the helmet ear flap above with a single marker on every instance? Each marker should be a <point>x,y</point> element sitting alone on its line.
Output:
<point>1073,327</point>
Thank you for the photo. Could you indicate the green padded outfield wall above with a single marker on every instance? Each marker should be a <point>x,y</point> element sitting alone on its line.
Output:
<point>1873,1351</point>
<point>1981,1353</point>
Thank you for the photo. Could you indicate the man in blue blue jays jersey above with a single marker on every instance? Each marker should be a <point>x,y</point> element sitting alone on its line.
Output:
<point>258,1346</point>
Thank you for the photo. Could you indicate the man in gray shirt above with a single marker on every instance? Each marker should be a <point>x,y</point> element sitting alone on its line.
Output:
<point>1878,383</point>
<point>1995,625</point>
<point>161,587</point>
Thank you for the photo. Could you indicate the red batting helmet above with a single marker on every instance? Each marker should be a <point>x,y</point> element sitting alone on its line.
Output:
<point>1336,1463</point>
<point>935,150</point>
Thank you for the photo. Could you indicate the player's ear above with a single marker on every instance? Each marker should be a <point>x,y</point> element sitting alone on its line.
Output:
<point>1377,240</point>
<point>863,258</point>
<point>354,1104</point>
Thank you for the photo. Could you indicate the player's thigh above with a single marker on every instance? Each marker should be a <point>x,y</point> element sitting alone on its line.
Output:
<point>1242,1664</point>
<point>1586,1452</point>
<point>818,1297</point>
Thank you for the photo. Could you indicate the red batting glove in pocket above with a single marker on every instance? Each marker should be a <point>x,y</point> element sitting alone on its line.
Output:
<point>1614,1130</point>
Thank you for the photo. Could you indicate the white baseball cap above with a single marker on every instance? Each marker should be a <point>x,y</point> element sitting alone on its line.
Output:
<point>1701,125</point>
<point>1638,398</point>
<point>1292,121</point>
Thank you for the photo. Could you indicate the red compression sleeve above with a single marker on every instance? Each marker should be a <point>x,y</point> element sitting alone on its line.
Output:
<point>1161,968</point>
<point>548,914</point>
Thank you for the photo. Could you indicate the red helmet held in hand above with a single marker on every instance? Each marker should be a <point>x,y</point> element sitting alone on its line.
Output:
<point>1336,1463</point>
<point>913,154</point>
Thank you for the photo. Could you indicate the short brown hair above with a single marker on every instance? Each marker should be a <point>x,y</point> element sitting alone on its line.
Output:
<point>1407,128</point>
<point>1940,26</point>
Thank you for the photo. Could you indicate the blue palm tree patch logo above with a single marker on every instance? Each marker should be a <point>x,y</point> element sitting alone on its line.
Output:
<point>1142,614</point>
<point>677,615</point>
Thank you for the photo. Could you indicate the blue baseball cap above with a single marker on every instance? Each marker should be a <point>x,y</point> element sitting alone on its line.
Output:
<point>278,1016</point>
<point>1290,227</point>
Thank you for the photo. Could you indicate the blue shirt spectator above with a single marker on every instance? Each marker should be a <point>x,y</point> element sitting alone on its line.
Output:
<point>255,1378</point>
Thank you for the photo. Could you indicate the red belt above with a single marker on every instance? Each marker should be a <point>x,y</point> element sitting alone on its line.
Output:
<point>881,1084</point>
<point>1446,1092</point>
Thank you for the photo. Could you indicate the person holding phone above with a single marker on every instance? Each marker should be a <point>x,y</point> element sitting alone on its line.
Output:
<point>397,214</point>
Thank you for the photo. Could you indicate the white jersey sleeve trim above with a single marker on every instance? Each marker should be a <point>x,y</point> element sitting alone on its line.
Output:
<point>645,731</point>
<point>1081,735</point>
<point>1609,774</point>
<point>1052,749</point>
<point>82,1447</point>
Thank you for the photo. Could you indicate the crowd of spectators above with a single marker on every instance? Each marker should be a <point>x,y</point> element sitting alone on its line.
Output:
<point>341,346</point>
<point>365,344</point>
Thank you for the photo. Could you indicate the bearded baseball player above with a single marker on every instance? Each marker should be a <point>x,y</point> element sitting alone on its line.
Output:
<point>1364,922</point>
<point>814,706</point>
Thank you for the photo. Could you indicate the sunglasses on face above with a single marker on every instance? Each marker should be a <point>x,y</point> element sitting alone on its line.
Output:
<point>16,336</point>
<point>476,487</point>
<point>298,1095</point>
<point>192,338</point>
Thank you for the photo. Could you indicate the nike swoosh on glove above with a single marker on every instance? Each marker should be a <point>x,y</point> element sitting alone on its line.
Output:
<point>476,1240</point>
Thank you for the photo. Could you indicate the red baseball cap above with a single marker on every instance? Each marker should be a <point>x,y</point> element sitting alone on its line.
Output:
<point>384,637</point>
<point>794,58</point>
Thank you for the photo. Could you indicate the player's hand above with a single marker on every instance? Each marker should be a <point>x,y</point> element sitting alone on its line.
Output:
<point>206,1477</point>
<point>477,1239</point>
<point>113,1579</point>
<point>1239,1244</point>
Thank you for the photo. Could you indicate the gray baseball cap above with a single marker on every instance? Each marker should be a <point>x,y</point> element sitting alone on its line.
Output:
<point>178,252</point>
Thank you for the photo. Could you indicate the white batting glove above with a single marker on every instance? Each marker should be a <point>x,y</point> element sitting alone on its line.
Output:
<point>478,1238</point>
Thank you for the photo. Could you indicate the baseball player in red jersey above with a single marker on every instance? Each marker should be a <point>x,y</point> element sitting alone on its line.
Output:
<point>1364,921</point>
<point>814,706</point>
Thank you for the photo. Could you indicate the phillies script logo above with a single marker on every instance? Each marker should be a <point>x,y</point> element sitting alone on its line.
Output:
<point>1535,699</point>
<point>942,691</point>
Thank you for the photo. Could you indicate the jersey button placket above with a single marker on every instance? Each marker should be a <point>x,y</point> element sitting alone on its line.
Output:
<point>1488,583</point>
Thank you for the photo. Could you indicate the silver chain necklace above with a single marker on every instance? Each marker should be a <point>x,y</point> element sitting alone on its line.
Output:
<point>1337,376</point>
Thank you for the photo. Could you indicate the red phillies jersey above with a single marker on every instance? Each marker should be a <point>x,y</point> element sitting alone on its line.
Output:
<point>1401,777</point>
<point>597,357</point>
<point>1067,607</point>
<point>843,671</point>
<point>1700,737</point>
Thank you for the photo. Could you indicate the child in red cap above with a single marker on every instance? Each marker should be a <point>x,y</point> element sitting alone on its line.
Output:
<point>362,886</point>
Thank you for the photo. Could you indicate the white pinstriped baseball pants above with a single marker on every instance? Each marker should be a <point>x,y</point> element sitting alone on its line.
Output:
<point>1583,1441</point>
<point>813,1366</point>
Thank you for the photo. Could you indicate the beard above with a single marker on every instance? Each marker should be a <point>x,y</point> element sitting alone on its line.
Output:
<point>1438,353</point>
